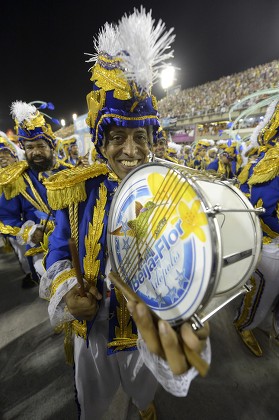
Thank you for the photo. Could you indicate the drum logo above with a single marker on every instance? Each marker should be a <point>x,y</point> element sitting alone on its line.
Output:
<point>159,239</point>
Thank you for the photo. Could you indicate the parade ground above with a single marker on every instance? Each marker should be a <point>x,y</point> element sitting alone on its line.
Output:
<point>37,384</point>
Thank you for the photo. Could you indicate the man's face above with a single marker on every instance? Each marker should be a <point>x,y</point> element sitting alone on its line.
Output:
<point>39,155</point>
<point>74,152</point>
<point>202,152</point>
<point>225,158</point>
<point>160,148</point>
<point>6,158</point>
<point>126,148</point>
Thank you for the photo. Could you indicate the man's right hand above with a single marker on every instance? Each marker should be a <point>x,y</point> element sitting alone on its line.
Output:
<point>37,236</point>
<point>84,308</point>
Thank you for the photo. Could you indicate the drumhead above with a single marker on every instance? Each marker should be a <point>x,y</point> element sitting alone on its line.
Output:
<point>162,243</point>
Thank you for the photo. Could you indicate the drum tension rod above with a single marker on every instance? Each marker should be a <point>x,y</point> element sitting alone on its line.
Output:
<point>218,209</point>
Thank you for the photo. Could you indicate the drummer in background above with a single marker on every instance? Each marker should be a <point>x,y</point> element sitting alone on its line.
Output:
<point>172,153</point>
<point>200,157</point>
<point>124,121</point>
<point>261,303</point>
<point>160,144</point>
<point>8,156</point>
<point>212,153</point>
<point>225,164</point>
<point>186,154</point>
<point>70,150</point>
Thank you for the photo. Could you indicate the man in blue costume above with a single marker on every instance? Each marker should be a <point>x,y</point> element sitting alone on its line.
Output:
<point>9,154</point>
<point>263,182</point>
<point>71,151</point>
<point>124,120</point>
<point>24,210</point>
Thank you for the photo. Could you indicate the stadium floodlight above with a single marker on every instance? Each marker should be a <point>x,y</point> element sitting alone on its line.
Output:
<point>74,116</point>
<point>167,77</point>
<point>63,122</point>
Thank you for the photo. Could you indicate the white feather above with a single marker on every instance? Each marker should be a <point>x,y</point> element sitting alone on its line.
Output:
<point>144,46</point>
<point>107,41</point>
<point>22,111</point>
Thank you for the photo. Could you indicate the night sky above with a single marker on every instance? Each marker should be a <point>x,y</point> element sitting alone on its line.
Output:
<point>43,45</point>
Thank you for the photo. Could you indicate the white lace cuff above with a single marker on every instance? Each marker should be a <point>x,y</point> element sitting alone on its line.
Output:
<point>23,236</point>
<point>177,385</point>
<point>57,309</point>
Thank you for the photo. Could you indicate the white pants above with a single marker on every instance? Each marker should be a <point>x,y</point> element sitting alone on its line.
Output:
<point>98,375</point>
<point>20,251</point>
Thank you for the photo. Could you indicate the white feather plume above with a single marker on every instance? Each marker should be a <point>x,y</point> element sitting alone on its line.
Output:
<point>144,47</point>
<point>106,41</point>
<point>22,111</point>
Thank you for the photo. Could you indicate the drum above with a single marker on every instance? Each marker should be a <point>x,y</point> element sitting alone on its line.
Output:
<point>182,239</point>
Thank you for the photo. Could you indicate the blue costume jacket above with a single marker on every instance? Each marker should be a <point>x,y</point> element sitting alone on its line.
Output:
<point>82,211</point>
<point>23,196</point>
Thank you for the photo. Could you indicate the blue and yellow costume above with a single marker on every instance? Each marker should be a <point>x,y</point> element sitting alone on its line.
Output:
<point>201,161</point>
<point>264,192</point>
<point>82,200</point>
<point>23,200</point>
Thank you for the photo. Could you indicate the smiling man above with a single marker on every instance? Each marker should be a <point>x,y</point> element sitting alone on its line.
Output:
<point>124,121</point>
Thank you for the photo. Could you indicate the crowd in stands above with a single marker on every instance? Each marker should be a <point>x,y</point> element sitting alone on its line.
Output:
<point>218,96</point>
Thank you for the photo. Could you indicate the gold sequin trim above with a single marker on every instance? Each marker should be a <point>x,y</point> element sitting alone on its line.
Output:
<point>8,230</point>
<point>61,279</point>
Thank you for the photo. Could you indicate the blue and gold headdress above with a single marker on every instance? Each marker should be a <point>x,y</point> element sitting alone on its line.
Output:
<point>6,144</point>
<point>30,122</point>
<point>127,62</point>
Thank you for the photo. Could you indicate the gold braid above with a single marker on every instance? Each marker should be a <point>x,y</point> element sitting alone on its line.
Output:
<point>38,203</point>
<point>73,216</point>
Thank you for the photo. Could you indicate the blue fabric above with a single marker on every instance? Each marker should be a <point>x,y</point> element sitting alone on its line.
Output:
<point>58,240</point>
<point>18,210</point>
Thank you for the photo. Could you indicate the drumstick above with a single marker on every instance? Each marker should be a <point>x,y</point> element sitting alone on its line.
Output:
<point>76,265</point>
<point>193,358</point>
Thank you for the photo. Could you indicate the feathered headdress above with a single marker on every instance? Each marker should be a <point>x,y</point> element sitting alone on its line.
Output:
<point>127,62</point>
<point>67,143</point>
<point>6,144</point>
<point>30,122</point>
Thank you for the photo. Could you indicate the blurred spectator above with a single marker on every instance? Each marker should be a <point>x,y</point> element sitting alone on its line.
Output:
<point>218,96</point>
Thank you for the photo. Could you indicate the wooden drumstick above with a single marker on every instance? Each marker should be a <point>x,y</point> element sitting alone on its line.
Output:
<point>76,265</point>
<point>193,357</point>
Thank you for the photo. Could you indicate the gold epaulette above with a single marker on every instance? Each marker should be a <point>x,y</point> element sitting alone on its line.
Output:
<point>11,181</point>
<point>68,186</point>
<point>243,176</point>
<point>267,168</point>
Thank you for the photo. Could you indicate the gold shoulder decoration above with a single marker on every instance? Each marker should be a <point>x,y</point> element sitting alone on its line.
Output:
<point>267,168</point>
<point>68,185</point>
<point>90,262</point>
<point>124,337</point>
<point>243,176</point>
<point>11,180</point>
